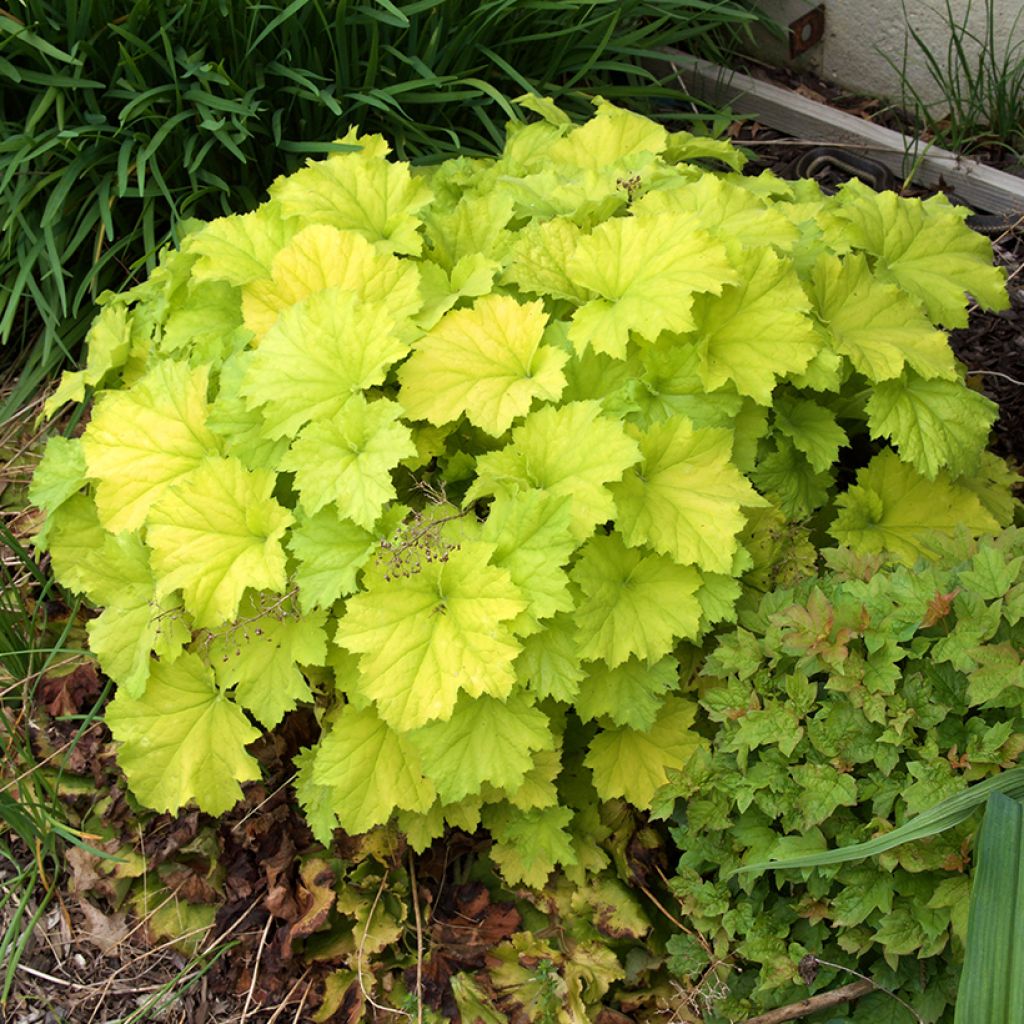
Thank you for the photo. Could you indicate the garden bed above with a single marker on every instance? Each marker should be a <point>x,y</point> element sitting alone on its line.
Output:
<point>252,884</point>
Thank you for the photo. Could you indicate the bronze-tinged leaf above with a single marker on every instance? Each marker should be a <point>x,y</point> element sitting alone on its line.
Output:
<point>939,607</point>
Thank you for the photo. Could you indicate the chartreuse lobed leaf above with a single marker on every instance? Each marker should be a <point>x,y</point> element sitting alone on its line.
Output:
<point>572,451</point>
<point>183,740</point>
<point>486,362</point>
<point>485,741</point>
<point>216,534</point>
<point>114,571</point>
<point>630,694</point>
<point>530,845</point>
<point>727,210</point>
<point>684,498</point>
<point>633,603</point>
<point>424,637</point>
<point>812,428</point>
<point>757,330</point>
<point>330,551</point>
<point>108,343</point>
<point>926,249</point>
<point>142,440</point>
<point>321,257</point>
<point>643,273</point>
<point>348,459</point>
<point>361,193</point>
<point>634,763</point>
<point>240,248</point>
<point>875,324</point>
<point>892,508</point>
<point>261,658</point>
<point>61,473</point>
<point>935,424</point>
<point>532,536</point>
<point>306,367</point>
<point>370,770</point>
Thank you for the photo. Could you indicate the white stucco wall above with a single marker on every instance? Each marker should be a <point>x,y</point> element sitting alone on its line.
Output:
<point>862,37</point>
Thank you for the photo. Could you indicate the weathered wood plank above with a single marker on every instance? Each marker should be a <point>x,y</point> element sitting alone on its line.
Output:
<point>982,187</point>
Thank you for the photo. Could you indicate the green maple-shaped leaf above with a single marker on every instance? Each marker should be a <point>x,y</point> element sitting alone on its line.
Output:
<point>485,740</point>
<point>348,459</point>
<point>823,789</point>
<point>359,192</point>
<point>668,384</point>
<point>633,603</point>
<point>644,272</point>
<point>571,451</point>
<point>320,257</point>
<point>473,275</point>
<point>133,623</point>
<point>142,440</point>
<point>893,508</point>
<point>425,637</point>
<point>927,250</point>
<point>183,740</point>
<point>371,770</point>
<point>936,424</point>
<point>330,552</point>
<point>240,248</point>
<point>630,694</point>
<point>206,326</point>
<point>538,786</point>
<point>261,658</point>
<point>215,533</point>
<point>317,801</point>
<point>529,845</point>
<point>549,664</point>
<point>684,499</point>
<point>811,427</point>
<point>876,324</point>
<point>316,357</point>
<point>486,362</point>
<point>126,634</point>
<point>790,480</point>
<point>532,536</point>
<point>757,330</point>
<point>241,429</point>
<point>634,764</point>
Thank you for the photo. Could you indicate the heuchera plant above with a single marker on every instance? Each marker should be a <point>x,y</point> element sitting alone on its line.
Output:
<point>466,457</point>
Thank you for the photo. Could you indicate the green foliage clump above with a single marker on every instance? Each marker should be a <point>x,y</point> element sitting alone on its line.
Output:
<point>838,709</point>
<point>119,119</point>
<point>472,458</point>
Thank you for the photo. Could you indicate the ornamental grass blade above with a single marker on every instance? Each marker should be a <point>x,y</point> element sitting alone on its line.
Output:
<point>992,984</point>
<point>942,816</point>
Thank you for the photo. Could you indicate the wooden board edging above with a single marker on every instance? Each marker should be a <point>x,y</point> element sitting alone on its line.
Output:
<point>984,188</point>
